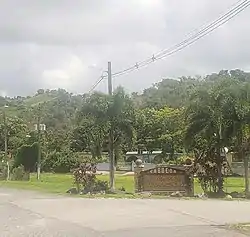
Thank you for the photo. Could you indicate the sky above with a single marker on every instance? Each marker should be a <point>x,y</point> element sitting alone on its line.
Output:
<point>68,43</point>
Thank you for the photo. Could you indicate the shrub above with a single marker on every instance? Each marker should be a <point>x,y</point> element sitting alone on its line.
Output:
<point>27,157</point>
<point>96,186</point>
<point>85,179</point>
<point>3,171</point>
<point>84,175</point>
<point>208,178</point>
<point>60,162</point>
<point>19,174</point>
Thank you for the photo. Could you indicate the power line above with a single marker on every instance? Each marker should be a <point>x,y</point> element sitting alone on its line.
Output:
<point>197,32</point>
<point>98,81</point>
<point>193,37</point>
<point>204,26</point>
<point>237,9</point>
<point>190,40</point>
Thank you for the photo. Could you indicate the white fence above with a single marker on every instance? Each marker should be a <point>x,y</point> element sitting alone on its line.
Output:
<point>102,166</point>
<point>128,166</point>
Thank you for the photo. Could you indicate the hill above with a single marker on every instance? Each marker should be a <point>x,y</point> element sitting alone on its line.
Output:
<point>58,106</point>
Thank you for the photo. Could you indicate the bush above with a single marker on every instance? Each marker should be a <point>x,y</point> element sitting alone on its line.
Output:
<point>19,174</point>
<point>60,162</point>
<point>3,171</point>
<point>84,175</point>
<point>209,179</point>
<point>96,186</point>
<point>27,157</point>
<point>85,179</point>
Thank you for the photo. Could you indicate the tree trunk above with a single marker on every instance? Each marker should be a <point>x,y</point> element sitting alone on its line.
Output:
<point>220,178</point>
<point>243,157</point>
<point>111,159</point>
<point>219,160</point>
<point>246,174</point>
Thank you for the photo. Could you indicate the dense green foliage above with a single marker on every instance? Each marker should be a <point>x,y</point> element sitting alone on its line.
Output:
<point>27,157</point>
<point>194,116</point>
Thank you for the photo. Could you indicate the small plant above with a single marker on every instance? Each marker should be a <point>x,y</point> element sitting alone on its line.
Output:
<point>97,186</point>
<point>19,174</point>
<point>208,178</point>
<point>85,179</point>
<point>122,189</point>
<point>84,175</point>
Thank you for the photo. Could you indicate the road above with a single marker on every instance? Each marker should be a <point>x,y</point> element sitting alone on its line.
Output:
<point>26,213</point>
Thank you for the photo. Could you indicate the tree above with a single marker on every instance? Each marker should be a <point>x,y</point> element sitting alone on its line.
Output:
<point>16,133</point>
<point>240,97</point>
<point>60,161</point>
<point>171,135</point>
<point>91,125</point>
<point>121,113</point>
<point>89,135</point>
<point>56,140</point>
<point>209,125</point>
<point>40,92</point>
<point>99,114</point>
<point>27,155</point>
<point>159,129</point>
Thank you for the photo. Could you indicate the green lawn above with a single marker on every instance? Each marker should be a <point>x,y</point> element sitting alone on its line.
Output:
<point>54,183</point>
<point>60,183</point>
<point>230,185</point>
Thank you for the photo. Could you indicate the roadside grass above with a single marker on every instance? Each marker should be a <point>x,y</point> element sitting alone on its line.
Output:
<point>51,183</point>
<point>60,183</point>
<point>231,184</point>
<point>244,228</point>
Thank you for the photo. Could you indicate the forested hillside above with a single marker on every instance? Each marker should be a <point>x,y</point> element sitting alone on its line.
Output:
<point>190,115</point>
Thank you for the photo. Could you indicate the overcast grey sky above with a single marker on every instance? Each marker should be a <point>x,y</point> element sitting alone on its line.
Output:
<point>67,43</point>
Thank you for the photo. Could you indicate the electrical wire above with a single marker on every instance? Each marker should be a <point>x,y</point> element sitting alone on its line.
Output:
<point>244,4</point>
<point>190,40</point>
<point>193,37</point>
<point>96,83</point>
<point>197,32</point>
<point>204,26</point>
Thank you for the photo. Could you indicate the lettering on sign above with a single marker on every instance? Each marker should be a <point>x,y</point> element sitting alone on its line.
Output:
<point>162,170</point>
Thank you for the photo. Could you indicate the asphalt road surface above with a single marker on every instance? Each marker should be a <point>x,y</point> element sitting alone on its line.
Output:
<point>28,214</point>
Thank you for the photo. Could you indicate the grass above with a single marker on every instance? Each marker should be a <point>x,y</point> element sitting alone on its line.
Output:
<point>244,228</point>
<point>231,184</point>
<point>60,183</point>
<point>52,183</point>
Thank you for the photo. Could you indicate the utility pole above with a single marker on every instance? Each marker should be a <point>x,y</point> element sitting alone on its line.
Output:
<point>111,136</point>
<point>39,144</point>
<point>246,164</point>
<point>220,176</point>
<point>6,143</point>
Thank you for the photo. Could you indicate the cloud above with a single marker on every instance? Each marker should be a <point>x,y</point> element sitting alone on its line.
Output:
<point>68,76</point>
<point>67,44</point>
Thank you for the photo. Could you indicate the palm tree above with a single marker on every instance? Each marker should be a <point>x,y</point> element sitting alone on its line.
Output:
<point>121,118</point>
<point>114,115</point>
<point>208,125</point>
